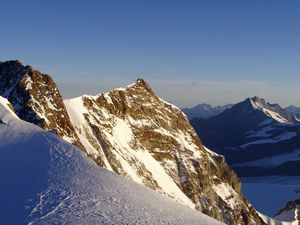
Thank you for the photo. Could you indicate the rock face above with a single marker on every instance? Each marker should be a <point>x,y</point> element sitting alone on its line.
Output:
<point>257,138</point>
<point>138,135</point>
<point>36,99</point>
<point>45,180</point>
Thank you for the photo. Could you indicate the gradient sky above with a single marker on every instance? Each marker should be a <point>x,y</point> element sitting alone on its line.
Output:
<point>189,51</point>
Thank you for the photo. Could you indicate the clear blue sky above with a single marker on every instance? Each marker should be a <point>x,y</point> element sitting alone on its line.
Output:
<point>189,51</point>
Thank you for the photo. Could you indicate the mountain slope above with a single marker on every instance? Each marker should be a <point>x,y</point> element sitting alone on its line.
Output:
<point>290,213</point>
<point>204,111</point>
<point>294,110</point>
<point>45,180</point>
<point>256,138</point>
<point>36,99</point>
<point>138,135</point>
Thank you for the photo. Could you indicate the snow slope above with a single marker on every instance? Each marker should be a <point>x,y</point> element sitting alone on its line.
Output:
<point>6,112</point>
<point>45,180</point>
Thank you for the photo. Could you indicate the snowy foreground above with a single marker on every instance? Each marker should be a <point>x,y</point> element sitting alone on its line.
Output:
<point>44,180</point>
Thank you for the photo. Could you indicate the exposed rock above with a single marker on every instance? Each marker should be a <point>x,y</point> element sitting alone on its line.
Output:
<point>36,99</point>
<point>138,135</point>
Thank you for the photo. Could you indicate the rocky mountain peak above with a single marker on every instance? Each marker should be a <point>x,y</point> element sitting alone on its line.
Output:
<point>136,134</point>
<point>35,98</point>
<point>261,103</point>
<point>258,101</point>
<point>273,111</point>
<point>142,85</point>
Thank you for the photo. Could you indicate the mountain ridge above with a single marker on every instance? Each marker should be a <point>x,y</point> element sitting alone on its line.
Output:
<point>250,131</point>
<point>205,110</point>
<point>60,185</point>
<point>36,98</point>
<point>136,134</point>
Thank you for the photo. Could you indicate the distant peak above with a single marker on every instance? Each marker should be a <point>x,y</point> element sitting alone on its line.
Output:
<point>257,102</point>
<point>257,99</point>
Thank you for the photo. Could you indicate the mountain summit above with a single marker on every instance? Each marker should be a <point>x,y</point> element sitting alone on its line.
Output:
<point>136,134</point>
<point>273,111</point>
<point>36,98</point>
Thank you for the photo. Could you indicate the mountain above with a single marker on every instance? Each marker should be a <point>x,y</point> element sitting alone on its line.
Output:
<point>45,180</point>
<point>204,111</point>
<point>36,99</point>
<point>293,109</point>
<point>290,213</point>
<point>136,134</point>
<point>256,138</point>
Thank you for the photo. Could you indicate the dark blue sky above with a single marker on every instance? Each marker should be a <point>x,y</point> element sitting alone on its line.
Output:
<point>189,51</point>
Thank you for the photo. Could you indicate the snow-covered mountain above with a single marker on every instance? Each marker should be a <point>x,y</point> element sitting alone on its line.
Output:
<point>294,110</point>
<point>256,138</point>
<point>136,134</point>
<point>290,213</point>
<point>36,99</point>
<point>45,180</point>
<point>204,111</point>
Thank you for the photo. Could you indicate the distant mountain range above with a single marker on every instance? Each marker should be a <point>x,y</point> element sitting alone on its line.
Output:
<point>204,111</point>
<point>293,109</point>
<point>256,138</point>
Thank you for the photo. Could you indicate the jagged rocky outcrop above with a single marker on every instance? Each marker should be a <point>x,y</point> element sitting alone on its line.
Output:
<point>138,135</point>
<point>36,99</point>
